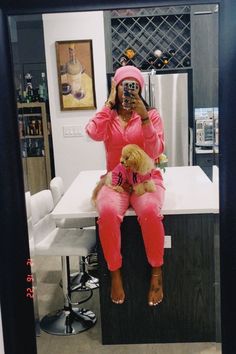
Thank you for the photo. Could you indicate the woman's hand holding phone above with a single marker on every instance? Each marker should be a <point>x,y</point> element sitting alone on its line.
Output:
<point>139,107</point>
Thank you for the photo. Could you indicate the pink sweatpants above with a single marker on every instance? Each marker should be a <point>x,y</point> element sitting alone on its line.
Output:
<point>112,206</point>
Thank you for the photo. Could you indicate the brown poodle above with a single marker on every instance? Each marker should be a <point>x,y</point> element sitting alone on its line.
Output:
<point>135,169</point>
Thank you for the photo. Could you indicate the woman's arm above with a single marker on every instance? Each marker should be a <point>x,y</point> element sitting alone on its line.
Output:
<point>98,125</point>
<point>152,127</point>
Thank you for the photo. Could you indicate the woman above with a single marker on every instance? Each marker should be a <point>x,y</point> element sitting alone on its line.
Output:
<point>117,126</point>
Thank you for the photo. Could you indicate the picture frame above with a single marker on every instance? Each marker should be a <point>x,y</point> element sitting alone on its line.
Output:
<point>75,71</point>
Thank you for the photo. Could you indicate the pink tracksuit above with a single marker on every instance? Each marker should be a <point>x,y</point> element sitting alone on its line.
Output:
<point>111,205</point>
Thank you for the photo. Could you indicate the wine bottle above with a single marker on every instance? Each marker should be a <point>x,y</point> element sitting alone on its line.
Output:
<point>74,72</point>
<point>43,92</point>
<point>123,60</point>
<point>165,59</point>
<point>159,63</point>
<point>172,52</point>
<point>29,88</point>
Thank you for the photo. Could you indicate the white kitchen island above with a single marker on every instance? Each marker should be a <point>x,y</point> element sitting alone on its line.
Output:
<point>187,313</point>
<point>188,191</point>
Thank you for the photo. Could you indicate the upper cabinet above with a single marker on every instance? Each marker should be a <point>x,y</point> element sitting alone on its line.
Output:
<point>205,56</point>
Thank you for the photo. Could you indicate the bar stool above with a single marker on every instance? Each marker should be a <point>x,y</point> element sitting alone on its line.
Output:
<point>82,280</point>
<point>49,240</point>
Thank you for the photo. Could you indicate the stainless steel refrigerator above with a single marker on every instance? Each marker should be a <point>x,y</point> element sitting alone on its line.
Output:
<point>168,92</point>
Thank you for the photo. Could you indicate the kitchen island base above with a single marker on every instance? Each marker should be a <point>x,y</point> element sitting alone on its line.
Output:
<point>187,313</point>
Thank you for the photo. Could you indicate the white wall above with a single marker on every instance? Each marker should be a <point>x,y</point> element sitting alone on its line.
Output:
<point>74,154</point>
<point>1,335</point>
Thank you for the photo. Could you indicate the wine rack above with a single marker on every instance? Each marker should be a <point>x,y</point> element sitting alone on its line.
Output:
<point>34,141</point>
<point>147,29</point>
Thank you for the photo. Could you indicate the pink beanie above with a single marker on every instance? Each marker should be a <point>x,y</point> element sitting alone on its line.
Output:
<point>129,71</point>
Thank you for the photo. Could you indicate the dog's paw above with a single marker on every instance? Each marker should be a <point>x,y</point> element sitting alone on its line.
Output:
<point>118,189</point>
<point>139,189</point>
<point>149,186</point>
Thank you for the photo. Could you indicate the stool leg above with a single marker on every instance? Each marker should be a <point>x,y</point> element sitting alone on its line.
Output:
<point>69,320</point>
<point>83,281</point>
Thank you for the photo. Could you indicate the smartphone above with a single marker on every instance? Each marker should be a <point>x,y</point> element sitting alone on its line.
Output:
<point>129,86</point>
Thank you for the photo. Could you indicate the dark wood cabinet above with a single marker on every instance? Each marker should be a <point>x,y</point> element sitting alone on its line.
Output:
<point>34,133</point>
<point>204,54</point>
<point>187,313</point>
<point>206,162</point>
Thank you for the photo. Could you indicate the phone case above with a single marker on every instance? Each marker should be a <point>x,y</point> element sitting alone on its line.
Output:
<point>128,87</point>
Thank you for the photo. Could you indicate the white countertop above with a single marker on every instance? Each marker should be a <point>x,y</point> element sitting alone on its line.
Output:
<point>188,191</point>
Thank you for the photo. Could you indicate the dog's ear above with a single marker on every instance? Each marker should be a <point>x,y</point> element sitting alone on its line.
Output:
<point>133,160</point>
<point>144,162</point>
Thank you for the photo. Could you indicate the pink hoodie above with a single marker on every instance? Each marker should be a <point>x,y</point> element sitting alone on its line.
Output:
<point>105,126</point>
<point>122,175</point>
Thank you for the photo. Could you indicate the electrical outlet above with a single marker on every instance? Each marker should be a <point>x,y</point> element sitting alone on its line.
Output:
<point>70,131</point>
<point>167,241</point>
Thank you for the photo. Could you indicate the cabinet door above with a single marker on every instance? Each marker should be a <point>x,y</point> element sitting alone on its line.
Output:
<point>33,133</point>
<point>205,161</point>
<point>36,174</point>
<point>204,30</point>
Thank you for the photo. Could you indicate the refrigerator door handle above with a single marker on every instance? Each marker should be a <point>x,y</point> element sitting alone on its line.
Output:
<point>146,92</point>
<point>152,99</point>
<point>190,159</point>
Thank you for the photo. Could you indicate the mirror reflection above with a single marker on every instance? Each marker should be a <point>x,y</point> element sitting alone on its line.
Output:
<point>177,50</point>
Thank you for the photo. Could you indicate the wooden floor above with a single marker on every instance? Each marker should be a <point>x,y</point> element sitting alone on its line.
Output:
<point>89,342</point>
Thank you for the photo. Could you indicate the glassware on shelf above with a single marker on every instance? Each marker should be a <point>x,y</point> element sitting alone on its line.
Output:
<point>33,148</point>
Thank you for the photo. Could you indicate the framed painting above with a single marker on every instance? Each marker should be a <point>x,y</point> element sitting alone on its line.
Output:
<point>75,74</point>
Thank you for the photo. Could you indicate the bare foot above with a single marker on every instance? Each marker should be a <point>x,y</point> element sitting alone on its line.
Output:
<point>155,294</point>
<point>117,290</point>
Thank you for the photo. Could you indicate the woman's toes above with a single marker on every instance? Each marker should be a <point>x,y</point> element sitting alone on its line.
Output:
<point>155,295</point>
<point>118,302</point>
<point>117,290</point>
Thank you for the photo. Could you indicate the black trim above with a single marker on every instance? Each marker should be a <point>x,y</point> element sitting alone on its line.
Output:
<point>16,307</point>
<point>16,312</point>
